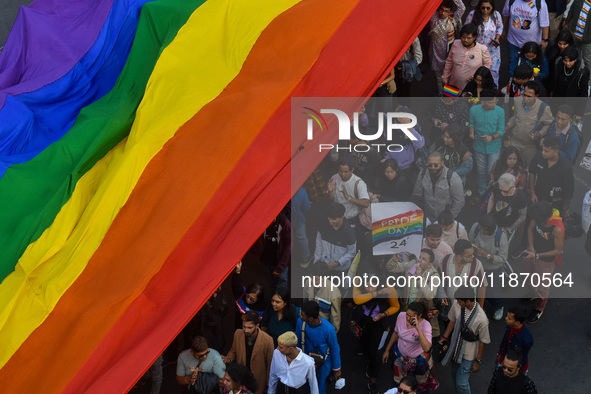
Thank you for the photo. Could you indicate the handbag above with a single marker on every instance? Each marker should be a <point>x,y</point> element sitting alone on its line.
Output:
<point>318,358</point>
<point>465,332</point>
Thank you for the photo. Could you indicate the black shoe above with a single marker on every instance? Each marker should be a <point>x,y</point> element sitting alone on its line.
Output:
<point>373,389</point>
<point>533,319</point>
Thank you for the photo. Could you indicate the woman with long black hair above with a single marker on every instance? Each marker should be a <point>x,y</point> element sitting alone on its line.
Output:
<point>532,54</point>
<point>281,316</point>
<point>482,79</point>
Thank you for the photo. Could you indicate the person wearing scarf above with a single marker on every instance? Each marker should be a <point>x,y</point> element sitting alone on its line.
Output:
<point>468,328</point>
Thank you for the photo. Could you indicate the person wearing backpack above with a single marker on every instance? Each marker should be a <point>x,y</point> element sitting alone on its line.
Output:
<point>523,21</point>
<point>567,133</point>
<point>491,248</point>
<point>438,189</point>
<point>530,122</point>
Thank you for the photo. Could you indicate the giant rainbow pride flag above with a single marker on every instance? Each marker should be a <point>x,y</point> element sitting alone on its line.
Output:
<point>143,146</point>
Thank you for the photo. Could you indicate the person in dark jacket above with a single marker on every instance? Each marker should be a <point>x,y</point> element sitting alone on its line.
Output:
<point>247,298</point>
<point>571,79</point>
<point>392,185</point>
<point>508,378</point>
<point>517,336</point>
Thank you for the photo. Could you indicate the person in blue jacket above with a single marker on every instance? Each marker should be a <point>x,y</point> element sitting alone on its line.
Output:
<point>532,54</point>
<point>318,336</point>
<point>566,131</point>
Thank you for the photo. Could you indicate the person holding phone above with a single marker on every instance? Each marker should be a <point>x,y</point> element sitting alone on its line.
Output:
<point>490,27</point>
<point>410,346</point>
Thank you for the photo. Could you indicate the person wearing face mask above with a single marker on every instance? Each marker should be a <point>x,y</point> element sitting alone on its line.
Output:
<point>465,57</point>
<point>438,189</point>
<point>509,379</point>
<point>253,348</point>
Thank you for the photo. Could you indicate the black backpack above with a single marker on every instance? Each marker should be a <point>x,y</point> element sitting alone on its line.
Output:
<point>568,134</point>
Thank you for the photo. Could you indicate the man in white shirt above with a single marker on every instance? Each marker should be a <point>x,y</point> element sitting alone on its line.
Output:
<point>466,335</point>
<point>292,371</point>
<point>348,189</point>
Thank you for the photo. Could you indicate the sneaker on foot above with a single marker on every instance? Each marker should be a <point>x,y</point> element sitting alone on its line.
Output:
<point>533,319</point>
<point>499,313</point>
<point>373,389</point>
<point>306,263</point>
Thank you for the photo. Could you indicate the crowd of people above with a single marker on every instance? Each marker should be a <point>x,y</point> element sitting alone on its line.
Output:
<point>503,151</point>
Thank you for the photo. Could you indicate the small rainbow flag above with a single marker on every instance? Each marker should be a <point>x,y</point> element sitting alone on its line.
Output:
<point>531,4</point>
<point>450,91</point>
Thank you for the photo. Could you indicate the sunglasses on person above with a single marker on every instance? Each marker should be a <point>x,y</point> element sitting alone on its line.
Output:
<point>433,165</point>
<point>202,355</point>
<point>484,8</point>
<point>508,369</point>
<point>403,391</point>
<point>506,191</point>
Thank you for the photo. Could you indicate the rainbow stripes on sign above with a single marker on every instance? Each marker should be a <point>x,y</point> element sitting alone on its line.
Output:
<point>123,160</point>
<point>401,226</point>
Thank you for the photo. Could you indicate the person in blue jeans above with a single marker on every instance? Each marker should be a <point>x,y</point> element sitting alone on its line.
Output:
<point>464,339</point>
<point>316,335</point>
<point>487,126</point>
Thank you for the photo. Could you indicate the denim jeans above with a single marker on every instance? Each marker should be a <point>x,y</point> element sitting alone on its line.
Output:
<point>513,53</point>
<point>484,163</point>
<point>301,248</point>
<point>460,375</point>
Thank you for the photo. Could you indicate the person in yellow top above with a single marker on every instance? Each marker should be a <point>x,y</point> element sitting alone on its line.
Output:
<point>375,306</point>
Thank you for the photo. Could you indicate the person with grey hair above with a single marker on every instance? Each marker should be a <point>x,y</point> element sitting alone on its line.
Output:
<point>507,204</point>
<point>292,371</point>
<point>438,189</point>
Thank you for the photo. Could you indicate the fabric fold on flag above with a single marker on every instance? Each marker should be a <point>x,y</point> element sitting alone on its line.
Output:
<point>43,30</point>
<point>99,195</point>
<point>31,121</point>
<point>180,218</point>
<point>32,193</point>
